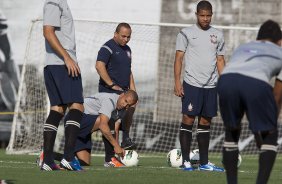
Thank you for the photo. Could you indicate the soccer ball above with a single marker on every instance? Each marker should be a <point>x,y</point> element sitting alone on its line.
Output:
<point>174,158</point>
<point>195,157</point>
<point>130,159</point>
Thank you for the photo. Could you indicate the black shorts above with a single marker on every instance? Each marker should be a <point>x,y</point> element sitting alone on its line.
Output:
<point>62,89</point>
<point>83,141</point>
<point>199,101</point>
<point>239,94</point>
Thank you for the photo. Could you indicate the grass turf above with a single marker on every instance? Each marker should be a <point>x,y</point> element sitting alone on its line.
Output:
<point>22,169</point>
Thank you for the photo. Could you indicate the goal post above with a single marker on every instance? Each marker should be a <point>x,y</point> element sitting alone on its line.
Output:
<point>158,114</point>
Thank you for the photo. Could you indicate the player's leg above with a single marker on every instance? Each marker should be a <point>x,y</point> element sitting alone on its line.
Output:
<point>267,143</point>
<point>126,124</point>
<point>68,91</point>
<point>83,145</point>
<point>262,115</point>
<point>209,110</point>
<point>203,138</point>
<point>190,109</point>
<point>230,153</point>
<point>110,159</point>
<point>52,122</point>
<point>232,110</point>
<point>185,139</point>
<point>72,127</point>
<point>49,135</point>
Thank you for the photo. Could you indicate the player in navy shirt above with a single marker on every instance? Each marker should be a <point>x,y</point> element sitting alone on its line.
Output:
<point>114,67</point>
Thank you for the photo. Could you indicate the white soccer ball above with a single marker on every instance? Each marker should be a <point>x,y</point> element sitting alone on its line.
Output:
<point>174,158</point>
<point>194,156</point>
<point>130,159</point>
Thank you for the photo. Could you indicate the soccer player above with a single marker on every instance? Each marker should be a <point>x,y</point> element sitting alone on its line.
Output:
<point>102,111</point>
<point>63,83</point>
<point>244,87</point>
<point>114,67</point>
<point>202,48</point>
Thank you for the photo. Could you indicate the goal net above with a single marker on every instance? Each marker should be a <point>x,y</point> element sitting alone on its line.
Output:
<point>157,118</point>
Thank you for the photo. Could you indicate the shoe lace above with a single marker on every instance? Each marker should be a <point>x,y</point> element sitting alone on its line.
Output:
<point>210,163</point>
<point>187,164</point>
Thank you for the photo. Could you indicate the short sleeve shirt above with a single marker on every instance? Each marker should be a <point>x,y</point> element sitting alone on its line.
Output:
<point>56,13</point>
<point>201,49</point>
<point>261,60</point>
<point>117,59</point>
<point>101,103</point>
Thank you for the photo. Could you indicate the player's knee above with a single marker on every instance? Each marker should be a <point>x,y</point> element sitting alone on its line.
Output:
<point>188,120</point>
<point>77,106</point>
<point>53,120</point>
<point>267,140</point>
<point>232,134</point>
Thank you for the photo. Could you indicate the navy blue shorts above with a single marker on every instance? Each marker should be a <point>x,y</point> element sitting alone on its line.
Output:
<point>239,94</point>
<point>62,89</point>
<point>199,101</point>
<point>83,141</point>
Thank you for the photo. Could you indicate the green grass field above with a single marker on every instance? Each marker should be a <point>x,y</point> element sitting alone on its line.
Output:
<point>23,169</point>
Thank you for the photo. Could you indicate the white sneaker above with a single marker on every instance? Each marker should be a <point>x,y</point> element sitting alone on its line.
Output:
<point>187,166</point>
<point>210,167</point>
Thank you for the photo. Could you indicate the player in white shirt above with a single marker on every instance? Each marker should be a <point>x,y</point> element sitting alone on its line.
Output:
<point>244,87</point>
<point>201,47</point>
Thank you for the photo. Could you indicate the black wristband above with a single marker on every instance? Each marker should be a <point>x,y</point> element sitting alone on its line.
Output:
<point>111,86</point>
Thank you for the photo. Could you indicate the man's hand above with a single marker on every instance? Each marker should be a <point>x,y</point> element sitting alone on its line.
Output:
<point>119,151</point>
<point>178,89</point>
<point>117,88</point>
<point>72,66</point>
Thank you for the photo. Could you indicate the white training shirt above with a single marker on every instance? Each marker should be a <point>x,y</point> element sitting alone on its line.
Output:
<point>101,103</point>
<point>201,49</point>
<point>257,59</point>
<point>56,13</point>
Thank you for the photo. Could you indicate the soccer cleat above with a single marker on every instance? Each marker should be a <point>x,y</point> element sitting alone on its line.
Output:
<point>113,163</point>
<point>52,167</point>
<point>39,160</point>
<point>127,144</point>
<point>74,165</point>
<point>210,167</point>
<point>186,166</point>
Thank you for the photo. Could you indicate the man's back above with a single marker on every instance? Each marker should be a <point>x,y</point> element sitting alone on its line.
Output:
<point>257,59</point>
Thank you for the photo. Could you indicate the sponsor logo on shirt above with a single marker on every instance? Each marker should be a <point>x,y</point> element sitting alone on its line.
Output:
<point>213,39</point>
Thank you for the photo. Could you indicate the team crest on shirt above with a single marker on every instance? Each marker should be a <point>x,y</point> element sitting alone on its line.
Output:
<point>190,107</point>
<point>128,54</point>
<point>213,39</point>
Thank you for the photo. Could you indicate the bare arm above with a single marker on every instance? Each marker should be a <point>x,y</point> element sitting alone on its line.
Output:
<point>102,71</point>
<point>105,129</point>
<point>178,89</point>
<point>220,63</point>
<point>132,83</point>
<point>277,91</point>
<point>50,36</point>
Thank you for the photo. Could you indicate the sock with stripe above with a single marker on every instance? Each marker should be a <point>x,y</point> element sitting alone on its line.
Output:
<point>267,156</point>
<point>49,135</point>
<point>230,155</point>
<point>72,127</point>
<point>185,138</point>
<point>203,138</point>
